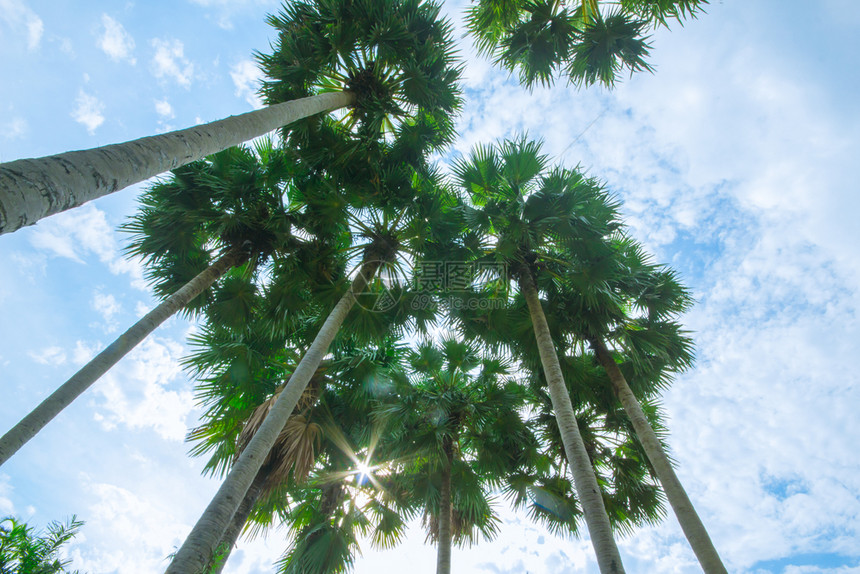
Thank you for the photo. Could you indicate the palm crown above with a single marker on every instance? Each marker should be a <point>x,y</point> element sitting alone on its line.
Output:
<point>454,424</point>
<point>542,38</point>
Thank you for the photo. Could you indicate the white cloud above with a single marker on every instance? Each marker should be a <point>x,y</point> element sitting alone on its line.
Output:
<point>116,515</point>
<point>164,109</point>
<point>16,16</point>
<point>85,231</point>
<point>169,62</point>
<point>14,128</point>
<point>49,356</point>
<point>140,394</point>
<point>107,306</point>
<point>246,77</point>
<point>84,352</point>
<point>88,111</point>
<point>115,41</point>
<point>6,506</point>
<point>225,10</point>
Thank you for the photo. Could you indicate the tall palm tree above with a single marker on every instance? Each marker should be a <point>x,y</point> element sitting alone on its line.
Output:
<point>240,365</point>
<point>580,39</point>
<point>31,189</point>
<point>388,61</point>
<point>630,491</point>
<point>347,496</point>
<point>399,54</point>
<point>523,213</point>
<point>384,237</point>
<point>207,218</point>
<point>610,292</point>
<point>455,424</point>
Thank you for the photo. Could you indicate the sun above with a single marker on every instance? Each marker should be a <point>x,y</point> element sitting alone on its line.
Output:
<point>363,472</point>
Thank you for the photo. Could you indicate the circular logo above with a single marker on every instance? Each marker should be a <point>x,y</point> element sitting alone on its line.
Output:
<point>381,292</point>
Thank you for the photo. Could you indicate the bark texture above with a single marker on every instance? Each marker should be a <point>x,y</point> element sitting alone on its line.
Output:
<point>237,523</point>
<point>204,537</point>
<point>584,479</point>
<point>443,552</point>
<point>690,522</point>
<point>31,189</point>
<point>31,424</point>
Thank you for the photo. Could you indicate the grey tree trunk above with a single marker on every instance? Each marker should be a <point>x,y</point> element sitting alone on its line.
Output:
<point>690,522</point>
<point>584,479</point>
<point>443,552</point>
<point>237,523</point>
<point>204,537</point>
<point>31,189</point>
<point>31,424</point>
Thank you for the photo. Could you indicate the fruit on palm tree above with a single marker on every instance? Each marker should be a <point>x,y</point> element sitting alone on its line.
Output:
<point>228,208</point>
<point>524,213</point>
<point>542,38</point>
<point>611,291</point>
<point>25,551</point>
<point>455,426</point>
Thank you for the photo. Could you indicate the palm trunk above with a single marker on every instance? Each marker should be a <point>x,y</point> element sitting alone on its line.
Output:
<point>204,537</point>
<point>443,552</point>
<point>31,424</point>
<point>584,479</point>
<point>31,189</point>
<point>237,523</point>
<point>690,522</point>
<point>258,487</point>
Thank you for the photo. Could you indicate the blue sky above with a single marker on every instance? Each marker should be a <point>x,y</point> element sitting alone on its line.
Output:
<point>735,164</point>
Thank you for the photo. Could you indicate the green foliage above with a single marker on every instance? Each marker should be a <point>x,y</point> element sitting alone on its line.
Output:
<point>23,550</point>
<point>395,56</point>
<point>453,400</point>
<point>239,199</point>
<point>540,39</point>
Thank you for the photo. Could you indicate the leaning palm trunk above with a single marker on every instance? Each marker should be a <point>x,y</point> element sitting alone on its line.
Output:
<point>584,479</point>
<point>443,553</point>
<point>690,522</point>
<point>198,548</point>
<point>237,523</point>
<point>31,189</point>
<point>31,424</point>
<point>277,464</point>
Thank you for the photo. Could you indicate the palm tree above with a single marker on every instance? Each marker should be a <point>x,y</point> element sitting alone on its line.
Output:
<point>630,492</point>
<point>524,213</point>
<point>542,38</point>
<point>347,494</point>
<point>385,235</point>
<point>389,61</point>
<point>610,291</point>
<point>455,426</point>
<point>240,365</point>
<point>31,189</point>
<point>24,551</point>
<point>230,208</point>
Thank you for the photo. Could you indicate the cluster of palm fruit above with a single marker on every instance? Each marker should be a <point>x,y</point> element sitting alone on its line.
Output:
<point>382,341</point>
